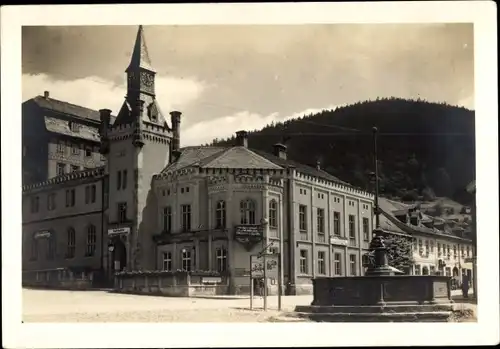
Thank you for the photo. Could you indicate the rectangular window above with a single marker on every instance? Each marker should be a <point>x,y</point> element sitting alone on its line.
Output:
<point>439,249</point>
<point>91,240</point>
<point>167,261</point>
<point>186,260</point>
<point>34,248</point>
<point>70,197</point>
<point>75,168</point>
<point>34,204</point>
<point>74,126</point>
<point>60,169</point>
<point>273,214</point>
<point>51,248</point>
<point>51,201</point>
<point>417,270</point>
<point>61,148</point>
<point>337,264</point>
<point>320,220</point>
<point>220,215</point>
<point>221,259</point>
<point>92,193</point>
<point>88,152</point>
<point>321,263</point>
<point>303,262</point>
<point>122,212</point>
<point>336,223</point>
<point>462,251</point>
<point>426,251</point>
<point>352,227</point>
<point>118,180</point>
<point>167,219</point>
<point>467,251</point>
<point>352,264</point>
<point>186,217</point>
<point>124,179</point>
<point>87,194</point>
<point>366,229</point>
<point>303,217</point>
<point>75,149</point>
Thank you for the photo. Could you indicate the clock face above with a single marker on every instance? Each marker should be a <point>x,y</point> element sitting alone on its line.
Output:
<point>147,79</point>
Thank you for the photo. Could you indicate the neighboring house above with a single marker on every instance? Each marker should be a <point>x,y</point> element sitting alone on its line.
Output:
<point>151,204</point>
<point>58,138</point>
<point>440,246</point>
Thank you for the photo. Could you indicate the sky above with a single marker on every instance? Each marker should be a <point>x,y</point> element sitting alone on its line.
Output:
<point>225,78</point>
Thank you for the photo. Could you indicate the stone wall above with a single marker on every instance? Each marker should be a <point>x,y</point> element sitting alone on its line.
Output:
<point>172,284</point>
<point>60,278</point>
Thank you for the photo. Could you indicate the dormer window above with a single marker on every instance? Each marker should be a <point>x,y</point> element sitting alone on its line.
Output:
<point>74,127</point>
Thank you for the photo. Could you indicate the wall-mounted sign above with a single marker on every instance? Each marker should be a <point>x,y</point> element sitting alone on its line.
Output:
<point>337,240</point>
<point>118,231</point>
<point>42,234</point>
<point>211,280</point>
<point>248,235</point>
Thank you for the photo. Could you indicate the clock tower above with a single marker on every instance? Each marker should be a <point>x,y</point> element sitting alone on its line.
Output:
<point>137,145</point>
<point>140,73</point>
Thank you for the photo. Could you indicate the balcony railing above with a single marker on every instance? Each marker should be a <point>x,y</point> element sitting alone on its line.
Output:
<point>321,238</point>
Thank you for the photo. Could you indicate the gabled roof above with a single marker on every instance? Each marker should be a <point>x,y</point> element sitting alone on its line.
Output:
<point>140,55</point>
<point>66,108</point>
<point>239,157</point>
<point>308,170</point>
<point>59,126</point>
<point>192,155</point>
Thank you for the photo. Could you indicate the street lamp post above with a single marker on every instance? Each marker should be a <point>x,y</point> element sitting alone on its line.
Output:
<point>380,265</point>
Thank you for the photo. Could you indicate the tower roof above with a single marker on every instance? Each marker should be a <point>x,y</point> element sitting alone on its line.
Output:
<point>140,56</point>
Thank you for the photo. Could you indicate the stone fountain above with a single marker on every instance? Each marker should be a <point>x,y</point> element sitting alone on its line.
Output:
<point>383,294</point>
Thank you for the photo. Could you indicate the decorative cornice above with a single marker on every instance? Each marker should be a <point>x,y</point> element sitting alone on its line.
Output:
<point>68,177</point>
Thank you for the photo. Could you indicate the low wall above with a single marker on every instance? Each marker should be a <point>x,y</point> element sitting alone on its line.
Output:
<point>367,290</point>
<point>60,278</point>
<point>172,284</point>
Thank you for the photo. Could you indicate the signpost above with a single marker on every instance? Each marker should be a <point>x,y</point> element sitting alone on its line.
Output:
<point>271,271</point>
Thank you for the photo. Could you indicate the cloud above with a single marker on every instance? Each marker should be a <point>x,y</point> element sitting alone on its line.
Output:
<point>97,93</point>
<point>223,127</point>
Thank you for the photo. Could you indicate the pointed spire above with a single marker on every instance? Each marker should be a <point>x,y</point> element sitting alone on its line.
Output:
<point>140,55</point>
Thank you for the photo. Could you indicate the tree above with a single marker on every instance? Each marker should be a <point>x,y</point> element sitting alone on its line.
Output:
<point>399,252</point>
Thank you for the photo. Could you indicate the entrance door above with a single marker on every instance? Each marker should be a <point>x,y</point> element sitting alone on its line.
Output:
<point>119,255</point>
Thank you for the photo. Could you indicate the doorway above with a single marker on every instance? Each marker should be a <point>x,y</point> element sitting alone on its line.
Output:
<point>119,255</point>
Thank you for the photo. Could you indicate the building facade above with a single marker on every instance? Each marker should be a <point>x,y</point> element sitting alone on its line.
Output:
<point>58,138</point>
<point>440,246</point>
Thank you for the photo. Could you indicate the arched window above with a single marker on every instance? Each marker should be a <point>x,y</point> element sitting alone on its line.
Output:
<point>220,215</point>
<point>71,243</point>
<point>51,246</point>
<point>425,271</point>
<point>91,240</point>
<point>273,214</point>
<point>34,247</point>
<point>247,212</point>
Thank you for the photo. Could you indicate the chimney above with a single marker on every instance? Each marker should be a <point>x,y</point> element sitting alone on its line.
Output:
<point>105,116</point>
<point>46,94</point>
<point>242,139</point>
<point>280,150</point>
<point>175,119</point>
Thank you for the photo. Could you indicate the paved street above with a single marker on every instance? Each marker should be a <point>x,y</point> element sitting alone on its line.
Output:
<point>102,306</point>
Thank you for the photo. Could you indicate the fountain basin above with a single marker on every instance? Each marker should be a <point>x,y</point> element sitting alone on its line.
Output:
<point>405,298</point>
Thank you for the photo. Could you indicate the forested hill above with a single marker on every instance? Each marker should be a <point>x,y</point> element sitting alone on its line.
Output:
<point>425,149</point>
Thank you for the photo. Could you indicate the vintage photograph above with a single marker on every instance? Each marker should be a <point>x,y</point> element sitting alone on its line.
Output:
<point>249,173</point>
